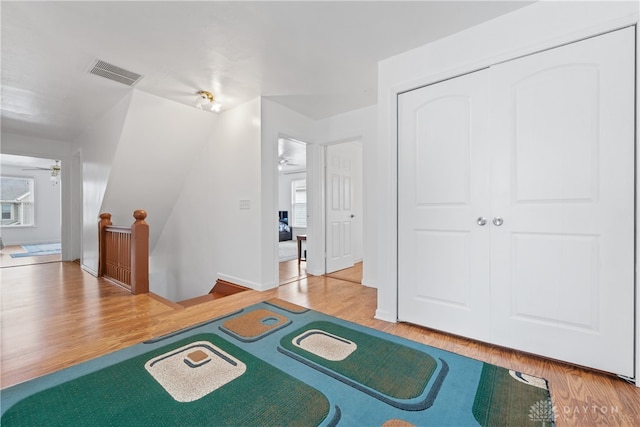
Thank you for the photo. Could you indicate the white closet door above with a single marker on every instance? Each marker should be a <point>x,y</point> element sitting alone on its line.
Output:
<point>443,188</point>
<point>563,182</point>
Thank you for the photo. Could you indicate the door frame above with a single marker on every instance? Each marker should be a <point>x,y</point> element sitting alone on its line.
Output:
<point>70,195</point>
<point>308,145</point>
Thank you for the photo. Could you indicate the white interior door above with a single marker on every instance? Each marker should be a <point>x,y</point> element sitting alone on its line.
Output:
<point>563,181</point>
<point>443,200</point>
<point>339,205</point>
<point>552,270</point>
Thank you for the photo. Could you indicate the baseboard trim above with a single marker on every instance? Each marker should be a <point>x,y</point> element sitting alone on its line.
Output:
<point>246,283</point>
<point>89,270</point>
<point>368,283</point>
<point>385,315</point>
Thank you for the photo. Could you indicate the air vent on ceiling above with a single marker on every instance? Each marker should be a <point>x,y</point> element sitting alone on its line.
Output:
<point>111,72</point>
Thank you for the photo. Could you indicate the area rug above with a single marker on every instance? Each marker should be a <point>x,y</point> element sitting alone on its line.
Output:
<point>39,250</point>
<point>276,363</point>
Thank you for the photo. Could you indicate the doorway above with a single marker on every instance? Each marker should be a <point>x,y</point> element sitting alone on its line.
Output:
<point>31,210</point>
<point>292,209</point>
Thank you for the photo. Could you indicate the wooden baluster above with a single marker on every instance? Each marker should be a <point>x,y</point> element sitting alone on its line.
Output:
<point>140,253</point>
<point>108,254</point>
<point>122,253</point>
<point>105,221</point>
<point>111,253</point>
<point>126,259</point>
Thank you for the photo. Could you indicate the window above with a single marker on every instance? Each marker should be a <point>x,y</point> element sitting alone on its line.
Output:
<point>7,211</point>
<point>17,201</point>
<point>299,202</point>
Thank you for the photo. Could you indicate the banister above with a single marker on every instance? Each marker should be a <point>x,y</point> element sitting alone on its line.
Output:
<point>105,221</point>
<point>140,253</point>
<point>118,229</point>
<point>124,252</point>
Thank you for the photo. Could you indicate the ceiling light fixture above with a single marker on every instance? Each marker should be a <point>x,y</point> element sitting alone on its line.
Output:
<point>206,101</point>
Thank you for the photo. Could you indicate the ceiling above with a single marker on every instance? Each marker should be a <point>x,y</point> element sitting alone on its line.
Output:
<point>316,57</point>
<point>292,156</point>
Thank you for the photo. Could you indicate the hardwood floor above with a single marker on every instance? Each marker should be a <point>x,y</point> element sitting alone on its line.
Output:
<point>55,315</point>
<point>353,274</point>
<point>291,271</point>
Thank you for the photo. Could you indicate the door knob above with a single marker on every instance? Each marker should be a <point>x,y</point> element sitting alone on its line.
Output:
<point>497,221</point>
<point>481,221</point>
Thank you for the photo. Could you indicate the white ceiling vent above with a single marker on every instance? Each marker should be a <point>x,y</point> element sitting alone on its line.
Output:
<point>111,72</point>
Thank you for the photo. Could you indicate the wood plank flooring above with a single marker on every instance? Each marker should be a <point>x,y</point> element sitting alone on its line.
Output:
<point>55,315</point>
<point>291,270</point>
<point>353,274</point>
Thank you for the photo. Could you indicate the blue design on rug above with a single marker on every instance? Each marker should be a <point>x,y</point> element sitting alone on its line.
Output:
<point>39,249</point>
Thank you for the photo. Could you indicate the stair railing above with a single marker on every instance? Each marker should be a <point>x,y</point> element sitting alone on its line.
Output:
<point>124,252</point>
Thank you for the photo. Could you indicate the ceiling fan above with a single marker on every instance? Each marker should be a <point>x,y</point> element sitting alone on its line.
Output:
<point>54,169</point>
<point>283,161</point>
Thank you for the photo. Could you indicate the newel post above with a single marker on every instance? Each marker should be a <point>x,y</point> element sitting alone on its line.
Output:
<point>140,254</point>
<point>105,221</point>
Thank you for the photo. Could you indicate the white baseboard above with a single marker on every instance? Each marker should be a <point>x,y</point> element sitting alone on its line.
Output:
<point>246,283</point>
<point>315,272</point>
<point>368,282</point>
<point>89,270</point>
<point>385,315</point>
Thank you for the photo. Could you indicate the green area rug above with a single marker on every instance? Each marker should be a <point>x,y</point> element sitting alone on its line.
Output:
<point>275,363</point>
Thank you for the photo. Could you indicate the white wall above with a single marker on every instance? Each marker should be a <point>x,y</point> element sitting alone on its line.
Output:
<point>157,146</point>
<point>207,235</point>
<point>360,125</point>
<point>70,182</point>
<point>20,145</point>
<point>136,156</point>
<point>47,221</point>
<point>533,28</point>
<point>98,147</point>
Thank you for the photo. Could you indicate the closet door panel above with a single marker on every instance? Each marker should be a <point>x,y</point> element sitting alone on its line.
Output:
<point>563,181</point>
<point>443,169</point>
<point>556,265</point>
<point>556,135</point>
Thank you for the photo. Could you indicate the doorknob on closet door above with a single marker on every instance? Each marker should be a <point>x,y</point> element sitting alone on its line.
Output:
<point>497,221</point>
<point>481,221</point>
